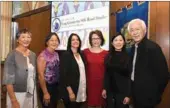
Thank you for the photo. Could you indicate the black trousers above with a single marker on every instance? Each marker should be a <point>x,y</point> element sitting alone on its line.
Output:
<point>53,91</point>
<point>115,101</point>
<point>141,106</point>
<point>135,104</point>
<point>69,104</point>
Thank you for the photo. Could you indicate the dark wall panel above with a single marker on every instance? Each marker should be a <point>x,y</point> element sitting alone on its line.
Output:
<point>39,25</point>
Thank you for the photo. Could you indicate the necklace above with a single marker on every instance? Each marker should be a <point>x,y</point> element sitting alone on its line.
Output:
<point>76,54</point>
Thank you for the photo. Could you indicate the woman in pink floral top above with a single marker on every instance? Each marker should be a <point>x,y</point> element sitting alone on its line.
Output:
<point>48,72</point>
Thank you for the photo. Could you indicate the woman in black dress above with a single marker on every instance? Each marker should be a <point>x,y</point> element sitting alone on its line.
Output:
<point>117,76</point>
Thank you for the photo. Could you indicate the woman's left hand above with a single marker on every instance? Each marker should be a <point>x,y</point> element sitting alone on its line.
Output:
<point>46,98</point>
<point>126,100</point>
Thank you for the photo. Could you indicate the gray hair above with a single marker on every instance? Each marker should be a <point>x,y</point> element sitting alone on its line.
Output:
<point>137,20</point>
<point>23,31</point>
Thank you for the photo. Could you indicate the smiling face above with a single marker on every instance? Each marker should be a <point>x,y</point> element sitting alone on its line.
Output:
<point>75,42</point>
<point>24,39</point>
<point>118,43</point>
<point>137,31</point>
<point>53,42</point>
<point>96,41</point>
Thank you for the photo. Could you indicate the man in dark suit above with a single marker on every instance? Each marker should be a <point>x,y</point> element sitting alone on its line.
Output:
<point>148,66</point>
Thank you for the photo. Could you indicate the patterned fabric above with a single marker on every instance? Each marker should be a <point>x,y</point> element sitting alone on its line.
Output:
<point>52,66</point>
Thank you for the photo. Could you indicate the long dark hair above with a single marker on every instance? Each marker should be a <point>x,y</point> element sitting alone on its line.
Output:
<point>69,42</point>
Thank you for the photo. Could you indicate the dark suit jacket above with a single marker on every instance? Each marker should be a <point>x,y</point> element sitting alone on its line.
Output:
<point>69,74</point>
<point>151,73</point>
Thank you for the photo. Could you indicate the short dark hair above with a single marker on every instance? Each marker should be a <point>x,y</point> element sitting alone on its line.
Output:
<point>48,37</point>
<point>100,35</point>
<point>69,42</point>
<point>23,31</point>
<point>112,49</point>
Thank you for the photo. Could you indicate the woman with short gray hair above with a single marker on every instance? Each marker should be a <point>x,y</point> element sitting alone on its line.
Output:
<point>19,74</point>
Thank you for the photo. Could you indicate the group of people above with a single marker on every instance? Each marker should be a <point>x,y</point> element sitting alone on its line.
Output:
<point>93,78</point>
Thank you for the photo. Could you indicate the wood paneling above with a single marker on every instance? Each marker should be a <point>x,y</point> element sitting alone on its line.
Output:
<point>39,25</point>
<point>36,11</point>
<point>152,26</point>
<point>23,23</point>
<point>169,37</point>
<point>165,98</point>
<point>3,90</point>
<point>162,27</point>
<point>31,5</point>
<point>162,38</point>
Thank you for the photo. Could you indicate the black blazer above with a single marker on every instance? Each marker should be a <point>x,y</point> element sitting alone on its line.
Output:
<point>69,74</point>
<point>151,73</point>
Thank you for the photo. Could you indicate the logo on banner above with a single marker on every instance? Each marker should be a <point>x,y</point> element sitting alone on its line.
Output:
<point>56,24</point>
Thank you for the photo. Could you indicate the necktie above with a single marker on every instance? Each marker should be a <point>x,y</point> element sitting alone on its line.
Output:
<point>134,62</point>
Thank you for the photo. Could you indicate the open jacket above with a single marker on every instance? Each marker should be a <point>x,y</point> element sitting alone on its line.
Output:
<point>151,73</point>
<point>69,74</point>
